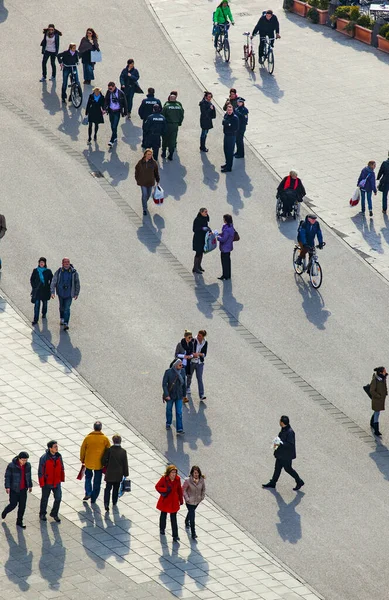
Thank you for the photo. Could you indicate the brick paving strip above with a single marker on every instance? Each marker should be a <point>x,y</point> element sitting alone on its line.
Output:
<point>119,554</point>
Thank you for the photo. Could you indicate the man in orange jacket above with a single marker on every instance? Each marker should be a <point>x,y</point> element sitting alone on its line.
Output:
<point>51,474</point>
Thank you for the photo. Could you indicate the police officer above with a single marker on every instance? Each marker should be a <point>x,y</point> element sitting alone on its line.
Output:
<point>230,129</point>
<point>174,115</point>
<point>154,127</point>
<point>146,108</point>
<point>242,113</point>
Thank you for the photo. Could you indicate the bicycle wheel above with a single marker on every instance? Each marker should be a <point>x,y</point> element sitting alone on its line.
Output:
<point>226,50</point>
<point>252,61</point>
<point>76,95</point>
<point>270,61</point>
<point>297,268</point>
<point>220,43</point>
<point>316,275</point>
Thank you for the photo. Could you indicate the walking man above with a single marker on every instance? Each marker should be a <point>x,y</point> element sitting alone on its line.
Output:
<point>285,452</point>
<point>383,176</point>
<point>153,128</point>
<point>50,49</point>
<point>174,390</point>
<point>51,474</point>
<point>174,115</point>
<point>17,481</point>
<point>242,114</point>
<point>207,114</point>
<point>3,229</point>
<point>115,105</point>
<point>91,455</point>
<point>230,129</point>
<point>146,108</point>
<point>66,284</point>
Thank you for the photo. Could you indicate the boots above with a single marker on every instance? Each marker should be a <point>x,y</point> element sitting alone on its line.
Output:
<point>200,267</point>
<point>170,156</point>
<point>376,430</point>
<point>371,421</point>
<point>196,266</point>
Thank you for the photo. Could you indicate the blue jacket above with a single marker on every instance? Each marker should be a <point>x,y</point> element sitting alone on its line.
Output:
<point>308,232</point>
<point>368,174</point>
<point>129,78</point>
<point>146,107</point>
<point>226,238</point>
<point>242,114</point>
<point>230,124</point>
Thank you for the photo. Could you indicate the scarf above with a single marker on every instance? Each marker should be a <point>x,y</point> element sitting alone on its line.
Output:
<point>96,98</point>
<point>40,273</point>
<point>288,182</point>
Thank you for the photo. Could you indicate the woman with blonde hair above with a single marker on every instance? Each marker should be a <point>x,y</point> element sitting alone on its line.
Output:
<point>170,500</point>
<point>146,176</point>
<point>94,112</point>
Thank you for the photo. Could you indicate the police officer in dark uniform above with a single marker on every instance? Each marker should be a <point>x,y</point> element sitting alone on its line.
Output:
<point>242,113</point>
<point>230,129</point>
<point>146,108</point>
<point>153,128</point>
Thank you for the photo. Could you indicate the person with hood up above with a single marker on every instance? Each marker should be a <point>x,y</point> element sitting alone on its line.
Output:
<point>146,108</point>
<point>17,480</point>
<point>284,453</point>
<point>230,130</point>
<point>66,284</point>
<point>50,49</point>
<point>367,183</point>
<point>153,128</point>
<point>129,83</point>
<point>306,233</point>
<point>170,500</point>
<point>51,473</point>
<point>174,115</point>
<point>267,25</point>
<point>226,245</point>
<point>243,115</point>
<point>88,43</point>
<point>200,228</point>
<point>221,16</point>
<point>207,114</point>
<point>378,393</point>
<point>40,280</point>
<point>174,390</point>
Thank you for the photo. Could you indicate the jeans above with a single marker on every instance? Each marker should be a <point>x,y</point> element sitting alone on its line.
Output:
<point>57,493</point>
<point>376,416</point>
<point>199,368</point>
<point>95,491</point>
<point>173,521</point>
<point>89,73</point>
<point>53,59</point>
<point>190,517</point>
<point>114,118</point>
<point>239,144</point>
<point>65,74</point>
<point>130,98</point>
<point>385,198</point>
<point>363,198</point>
<point>16,498</point>
<point>226,264</point>
<point>287,465</point>
<point>64,308</point>
<point>90,130</point>
<point>115,492</point>
<point>169,413</point>
<point>203,137</point>
<point>229,145</point>
<point>146,193</point>
<point>36,309</point>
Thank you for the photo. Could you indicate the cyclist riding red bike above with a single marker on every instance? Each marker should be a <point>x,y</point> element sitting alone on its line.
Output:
<point>267,25</point>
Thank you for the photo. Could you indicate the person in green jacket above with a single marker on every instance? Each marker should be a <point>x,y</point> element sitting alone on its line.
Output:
<point>221,16</point>
<point>174,115</point>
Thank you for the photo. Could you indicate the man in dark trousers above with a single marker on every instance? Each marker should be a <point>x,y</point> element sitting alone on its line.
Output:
<point>267,25</point>
<point>242,113</point>
<point>129,84</point>
<point>230,129</point>
<point>66,284</point>
<point>146,108</point>
<point>284,453</point>
<point>115,105</point>
<point>154,127</point>
<point>207,114</point>
<point>17,480</point>
<point>174,115</point>
<point>3,229</point>
<point>51,474</point>
<point>383,176</point>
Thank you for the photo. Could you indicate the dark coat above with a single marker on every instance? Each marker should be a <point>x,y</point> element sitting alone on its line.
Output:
<point>41,291</point>
<point>147,172</point>
<point>307,233</point>
<point>146,107</point>
<point>56,36</point>
<point>122,102</point>
<point>129,78</point>
<point>267,26</point>
<point>115,459</point>
<point>378,392</point>
<point>368,174</point>
<point>153,128</point>
<point>13,474</point>
<point>174,384</point>
<point>184,348</point>
<point>172,497</point>
<point>85,49</point>
<point>199,232</point>
<point>207,114</point>
<point>243,115</point>
<point>299,192</point>
<point>287,450</point>
<point>383,174</point>
<point>234,103</point>
<point>94,110</point>
<point>230,124</point>
<point>68,59</point>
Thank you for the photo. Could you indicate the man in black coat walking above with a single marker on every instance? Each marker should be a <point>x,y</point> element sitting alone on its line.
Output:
<point>267,25</point>
<point>146,108</point>
<point>284,453</point>
<point>153,128</point>
<point>207,114</point>
<point>17,480</point>
<point>383,176</point>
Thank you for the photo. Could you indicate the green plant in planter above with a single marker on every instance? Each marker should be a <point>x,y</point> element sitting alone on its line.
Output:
<point>288,4</point>
<point>314,3</point>
<point>384,30</point>
<point>324,4</point>
<point>313,15</point>
<point>365,21</point>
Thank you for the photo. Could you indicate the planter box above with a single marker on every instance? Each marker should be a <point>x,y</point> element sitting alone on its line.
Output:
<point>362,34</point>
<point>300,8</point>
<point>383,43</point>
<point>323,16</point>
<point>340,26</point>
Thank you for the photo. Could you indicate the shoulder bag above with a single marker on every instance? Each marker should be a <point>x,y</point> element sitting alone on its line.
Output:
<point>169,389</point>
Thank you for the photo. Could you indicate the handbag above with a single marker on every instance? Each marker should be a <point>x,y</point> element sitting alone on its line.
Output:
<point>210,241</point>
<point>158,194</point>
<point>355,197</point>
<point>169,389</point>
<point>236,236</point>
<point>81,473</point>
<point>138,89</point>
<point>362,183</point>
<point>366,389</point>
<point>126,483</point>
<point>96,56</point>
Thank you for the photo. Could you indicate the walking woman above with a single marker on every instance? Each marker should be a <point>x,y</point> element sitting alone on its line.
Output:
<point>207,114</point>
<point>226,244</point>
<point>146,176</point>
<point>116,463</point>
<point>200,228</point>
<point>170,500</point>
<point>194,493</point>
<point>94,112</point>
<point>200,347</point>
<point>367,183</point>
<point>88,43</point>
<point>40,283</point>
<point>378,393</point>
<point>184,351</point>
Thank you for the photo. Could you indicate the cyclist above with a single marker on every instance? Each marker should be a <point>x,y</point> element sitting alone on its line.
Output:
<point>68,61</point>
<point>267,25</point>
<point>221,16</point>
<point>306,233</point>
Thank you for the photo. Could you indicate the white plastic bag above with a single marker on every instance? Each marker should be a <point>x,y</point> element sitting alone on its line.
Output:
<point>158,195</point>
<point>355,197</point>
<point>96,56</point>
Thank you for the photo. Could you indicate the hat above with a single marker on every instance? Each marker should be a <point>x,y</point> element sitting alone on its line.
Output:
<point>23,454</point>
<point>240,99</point>
<point>311,217</point>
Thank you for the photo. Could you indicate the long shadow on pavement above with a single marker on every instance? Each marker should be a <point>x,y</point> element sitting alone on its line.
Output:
<point>380,457</point>
<point>196,424</point>
<point>224,72</point>
<point>210,175</point>
<point>53,556</point>
<point>230,302</point>
<point>117,169</point>
<point>3,12</point>
<point>18,567</point>
<point>312,302</point>
<point>235,181</point>
<point>289,526</point>
<point>72,120</point>
<point>173,177</point>
<point>176,570</point>
<point>203,292</point>
<point>50,98</point>
<point>150,233</point>
<point>269,87</point>
<point>66,349</point>
<point>367,228</point>
<point>175,454</point>
<point>132,134</point>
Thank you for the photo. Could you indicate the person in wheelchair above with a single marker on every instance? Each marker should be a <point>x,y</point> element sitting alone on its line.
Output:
<point>290,191</point>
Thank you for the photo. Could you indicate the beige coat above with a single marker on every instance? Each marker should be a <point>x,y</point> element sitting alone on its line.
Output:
<point>378,391</point>
<point>194,493</point>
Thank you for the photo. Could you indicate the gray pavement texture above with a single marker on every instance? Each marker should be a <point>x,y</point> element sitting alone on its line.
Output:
<point>138,295</point>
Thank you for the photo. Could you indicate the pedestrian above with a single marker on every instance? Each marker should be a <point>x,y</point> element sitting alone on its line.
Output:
<point>184,351</point>
<point>200,347</point>
<point>146,176</point>
<point>383,176</point>
<point>129,83</point>
<point>95,112</point>
<point>68,61</point>
<point>153,128</point>
<point>115,104</point>
<point>226,245</point>
<point>17,480</point>
<point>290,190</point>
<point>230,130</point>
<point>91,455</point>
<point>51,473</point>
<point>50,49</point>
<point>194,493</point>
<point>66,284</point>
<point>174,389</point>
<point>367,183</point>
<point>170,500</point>
<point>285,452</point>
<point>88,43</point>
<point>116,464</point>
<point>207,114</point>
<point>3,229</point>
<point>378,393</point>
<point>243,115</point>
<point>146,108</point>
<point>174,115</point>
<point>40,280</point>
<point>200,228</point>
<point>232,99</point>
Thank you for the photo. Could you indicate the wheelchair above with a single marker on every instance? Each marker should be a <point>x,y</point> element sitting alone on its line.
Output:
<point>291,210</point>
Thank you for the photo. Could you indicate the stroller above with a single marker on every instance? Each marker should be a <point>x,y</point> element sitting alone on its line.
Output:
<point>287,205</point>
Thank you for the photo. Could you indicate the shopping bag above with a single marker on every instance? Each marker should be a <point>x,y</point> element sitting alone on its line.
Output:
<point>81,473</point>
<point>95,56</point>
<point>366,388</point>
<point>158,195</point>
<point>125,486</point>
<point>210,242</point>
<point>355,197</point>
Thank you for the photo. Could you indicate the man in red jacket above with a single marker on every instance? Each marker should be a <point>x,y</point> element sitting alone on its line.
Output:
<point>51,473</point>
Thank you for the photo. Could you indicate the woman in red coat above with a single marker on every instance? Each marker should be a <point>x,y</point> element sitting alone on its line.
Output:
<point>170,500</point>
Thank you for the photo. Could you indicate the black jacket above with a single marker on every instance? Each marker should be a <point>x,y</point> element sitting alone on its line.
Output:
<point>68,59</point>
<point>94,109</point>
<point>243,115</point>
<point>287,450</point>
<point>115,459</point>
<point>13,474</point>
<point>199,233</point>
<point>122,102</point>
<point>39,290</point>
<point>146,107</point>
<point>207,113</point>
<point>56,36</point>
<point>298,193</point>
<point>267,26</point>
<point>384,173</point>
<point>153,128</point>
<point>230,124</point>
<point>129,78</point>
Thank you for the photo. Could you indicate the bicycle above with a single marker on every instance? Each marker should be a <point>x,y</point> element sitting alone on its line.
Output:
<point>310,266</point>
<point>268,54</point>
<point>75,87</point>
<point>248,51</point>
<point>222,41</point>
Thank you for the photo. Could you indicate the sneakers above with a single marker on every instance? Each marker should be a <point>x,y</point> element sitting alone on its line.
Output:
<point>203,398</point>
<point>180,432</point>
<point>168,427</point>
<point>89,141</point>
<point>52,78</point>
<point>110,144</point>
<point>61,321</point>
<point>86,498</point>
<point>299,485</point>
<point>269,485</point>
<point>43,517</point>
<point>42,79</point>
<point>187,525</point>
<point>188,392</point>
